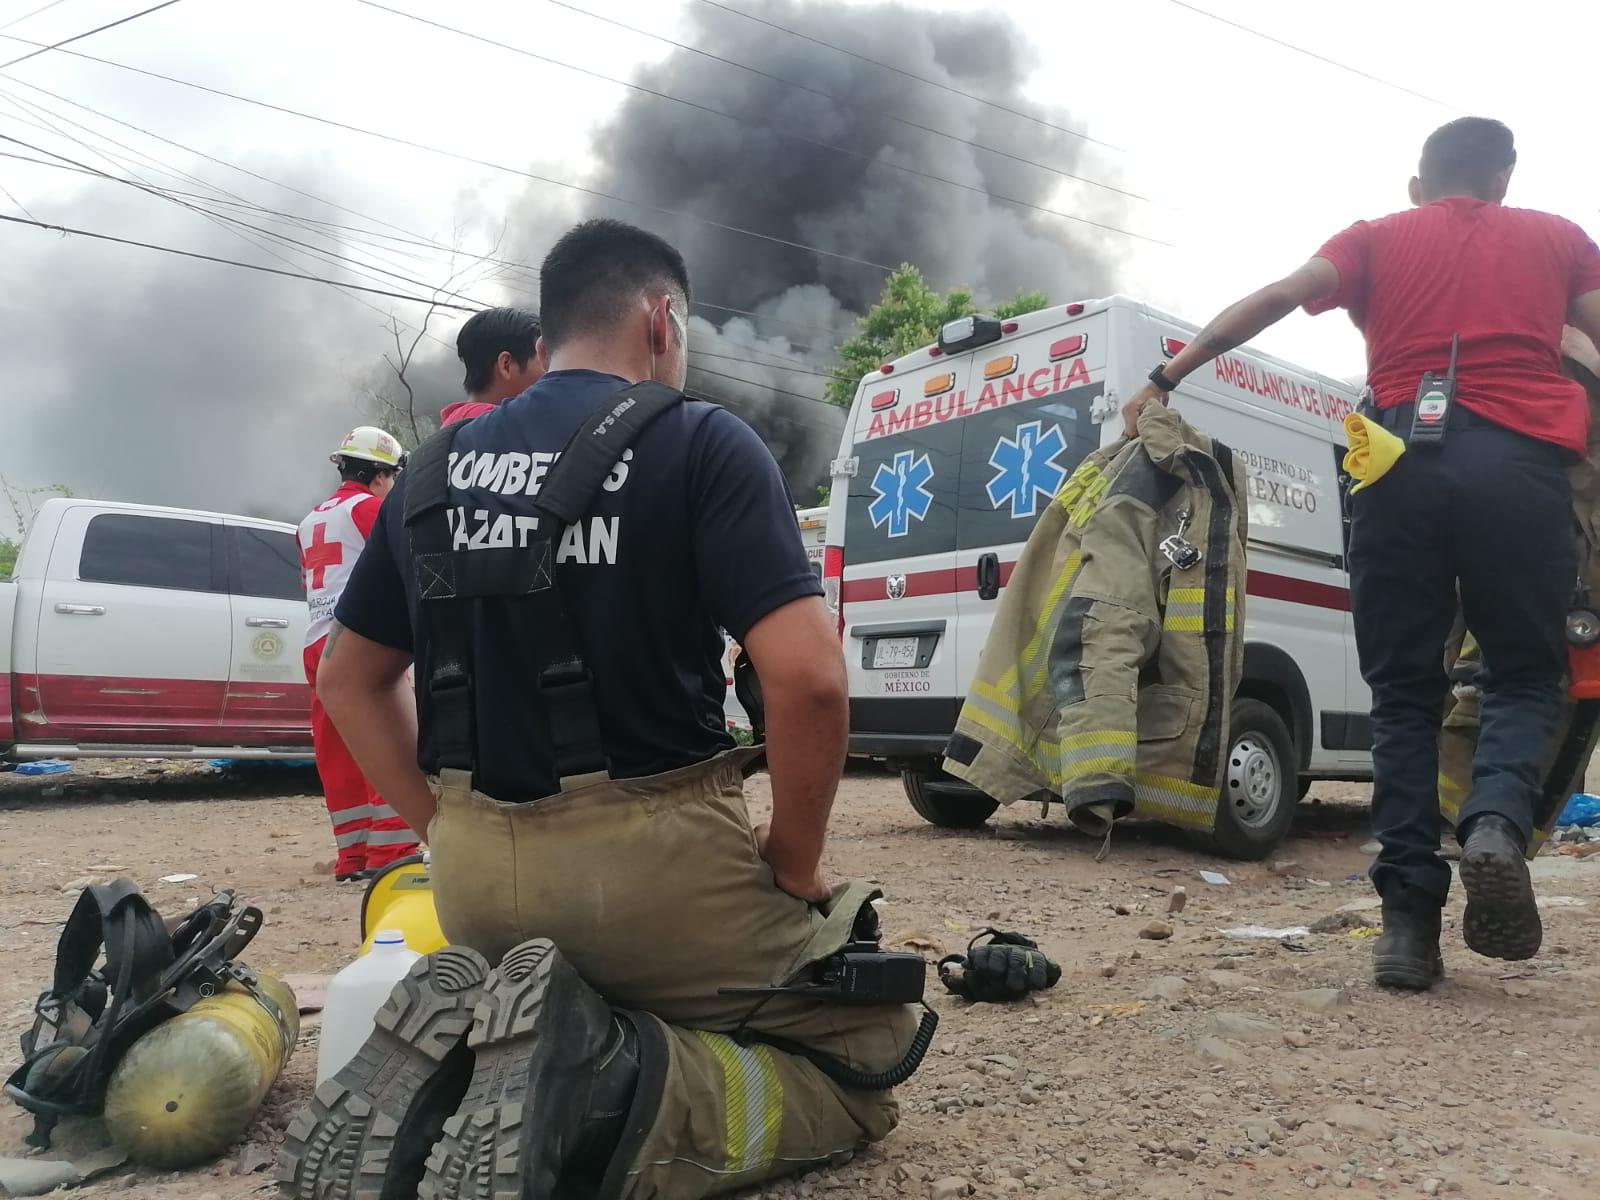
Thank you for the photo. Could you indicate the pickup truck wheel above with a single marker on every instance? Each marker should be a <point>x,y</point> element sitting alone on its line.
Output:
<point>944,800</point>
<point>1260,786</point>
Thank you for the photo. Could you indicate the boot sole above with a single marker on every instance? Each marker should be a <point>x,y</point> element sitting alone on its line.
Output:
<point>1405,973</point>
<point>528,1026</point>
<point>367,1130</point>
<point>1502,919</point>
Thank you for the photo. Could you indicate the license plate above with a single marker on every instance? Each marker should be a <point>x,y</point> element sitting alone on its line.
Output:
<point>894,652</point>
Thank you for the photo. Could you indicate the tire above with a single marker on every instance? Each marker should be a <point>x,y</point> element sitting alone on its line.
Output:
<point>945,801</point>
<point>1260,785</point>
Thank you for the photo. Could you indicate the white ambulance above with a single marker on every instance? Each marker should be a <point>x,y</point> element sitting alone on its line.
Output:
<point>952,451</point>
<point>813,524</point>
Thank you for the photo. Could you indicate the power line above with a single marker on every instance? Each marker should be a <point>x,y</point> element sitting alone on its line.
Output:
<point>995,104</point>
<point>871,160</point>
<point>466,158</point>
<point>755,384</point>
<point>78,37</point>
<point>231,262</point>
<point>836,99</point>
<point>761,362</point>
<point>1321,58</point>
<point>33,13</point>
<point>251,174</point>
<point>20,205</point>
<point>367,268</point>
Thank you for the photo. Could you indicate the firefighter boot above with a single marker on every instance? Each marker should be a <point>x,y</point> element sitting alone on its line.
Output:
<point>368,1129</point>
<point>1406,955</point>
<point>1502,918</point>
<point>554,1080</point>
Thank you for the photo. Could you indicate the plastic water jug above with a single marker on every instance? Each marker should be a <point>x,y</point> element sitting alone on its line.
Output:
<point>354,997</point>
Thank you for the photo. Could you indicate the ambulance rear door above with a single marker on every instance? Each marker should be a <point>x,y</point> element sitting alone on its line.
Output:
<point>1027,424</point>
<point>899,545</point>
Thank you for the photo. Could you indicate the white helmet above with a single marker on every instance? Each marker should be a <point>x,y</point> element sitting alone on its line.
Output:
<point>372,444</point>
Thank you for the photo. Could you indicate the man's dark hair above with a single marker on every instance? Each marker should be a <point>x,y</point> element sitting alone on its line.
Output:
<point>360,470</point>
<point>596,273</point>
<point>1465,156</point>
<point>486,334</point>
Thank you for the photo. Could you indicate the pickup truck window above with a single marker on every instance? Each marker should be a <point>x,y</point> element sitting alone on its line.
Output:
<point>266,563</point>
<point>156,552</point>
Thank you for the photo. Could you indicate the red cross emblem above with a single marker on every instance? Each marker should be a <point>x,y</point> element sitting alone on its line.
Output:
<point>321,555</point>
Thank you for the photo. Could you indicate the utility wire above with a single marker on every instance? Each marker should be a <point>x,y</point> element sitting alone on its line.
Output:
<point>336,258</point>
<point>995,104</point>
<point>769,364</point>
<point>78,37</point>
<point>749,383</point>
<point>33,13</point>
<point>244,171</point>
<point>230,262</point>
<point>466,158</point>
<point>1321,58</point>
<point>20,205</point>
<point>840,100</point>
<point>871,160</point>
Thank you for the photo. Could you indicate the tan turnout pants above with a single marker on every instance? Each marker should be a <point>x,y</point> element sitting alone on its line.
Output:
<point>653,889</point>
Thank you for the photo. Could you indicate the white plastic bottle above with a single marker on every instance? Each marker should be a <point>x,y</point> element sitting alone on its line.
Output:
<point>354,997</point>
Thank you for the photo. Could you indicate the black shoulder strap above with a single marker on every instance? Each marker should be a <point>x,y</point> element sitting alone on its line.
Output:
<point>450,582</point>
<point>116,916</point>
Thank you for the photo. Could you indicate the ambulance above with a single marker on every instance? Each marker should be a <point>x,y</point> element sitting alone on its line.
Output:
<point>951,452</point>
<point>813,524</point>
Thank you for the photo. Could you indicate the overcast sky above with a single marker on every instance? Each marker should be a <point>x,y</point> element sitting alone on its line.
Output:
<point>134,375</point>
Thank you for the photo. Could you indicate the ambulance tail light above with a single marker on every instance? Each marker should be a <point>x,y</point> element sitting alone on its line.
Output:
<point>1171,346</point>
<point>833,585</point>
<point>1074,309</point>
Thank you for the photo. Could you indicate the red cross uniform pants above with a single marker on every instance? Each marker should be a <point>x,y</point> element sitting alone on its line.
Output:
<point>367,832</point>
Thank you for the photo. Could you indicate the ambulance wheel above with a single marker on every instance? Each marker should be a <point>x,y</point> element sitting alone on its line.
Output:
<point>943,800</point>
<point>1260,785</point>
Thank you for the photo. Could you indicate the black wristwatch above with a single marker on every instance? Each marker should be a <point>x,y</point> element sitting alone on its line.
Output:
<point>1159,378</point>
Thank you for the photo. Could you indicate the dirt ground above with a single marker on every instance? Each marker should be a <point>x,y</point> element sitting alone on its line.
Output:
<point>1201,1065</point>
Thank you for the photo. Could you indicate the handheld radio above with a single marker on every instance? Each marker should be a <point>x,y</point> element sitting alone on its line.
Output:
<point>1436,397</point>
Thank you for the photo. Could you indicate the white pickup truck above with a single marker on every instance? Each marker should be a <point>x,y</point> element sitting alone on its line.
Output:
<point>132,631</point>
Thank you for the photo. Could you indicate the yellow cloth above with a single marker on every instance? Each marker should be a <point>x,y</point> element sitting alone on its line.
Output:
<point>1373,450</point>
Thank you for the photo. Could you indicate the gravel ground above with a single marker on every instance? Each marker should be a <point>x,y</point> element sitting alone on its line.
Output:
<point>1188,1065</point>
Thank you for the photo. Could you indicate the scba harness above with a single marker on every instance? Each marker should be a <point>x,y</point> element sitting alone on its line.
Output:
<point>451,583</point>
<point>152,971</point>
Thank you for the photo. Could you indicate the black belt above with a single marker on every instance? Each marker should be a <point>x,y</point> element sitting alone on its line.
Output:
<point>1398,419</point>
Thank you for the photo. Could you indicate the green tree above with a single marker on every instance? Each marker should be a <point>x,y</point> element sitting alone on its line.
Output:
<point>906,317</point>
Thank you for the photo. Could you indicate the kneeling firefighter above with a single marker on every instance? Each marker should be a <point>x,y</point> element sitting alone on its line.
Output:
<point>682,1005</point>
<point>173,1038</point>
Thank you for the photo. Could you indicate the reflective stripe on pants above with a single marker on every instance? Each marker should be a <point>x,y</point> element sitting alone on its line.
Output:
<point>366,831</point>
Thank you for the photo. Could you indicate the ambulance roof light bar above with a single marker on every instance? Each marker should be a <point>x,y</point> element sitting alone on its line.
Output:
<point>968,333</point>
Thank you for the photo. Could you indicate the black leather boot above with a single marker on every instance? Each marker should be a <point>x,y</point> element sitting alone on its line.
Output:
<point>1502,918</point>
<point>1406,954</point>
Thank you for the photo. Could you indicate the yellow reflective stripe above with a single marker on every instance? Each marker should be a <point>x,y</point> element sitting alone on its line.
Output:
<point>1166,798</point>
<point>1006,701</point>
<point>1451,794</point>
<point>1109,737</point>
<point>1194,624</point>
<point>1052,604</point>
<point>1103,765</point>
<point>753,1097</point>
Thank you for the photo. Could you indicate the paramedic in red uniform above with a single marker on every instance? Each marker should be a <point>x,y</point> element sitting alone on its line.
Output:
<point>1485,511</point>
<point>367,832</point>
<point>498,348</point>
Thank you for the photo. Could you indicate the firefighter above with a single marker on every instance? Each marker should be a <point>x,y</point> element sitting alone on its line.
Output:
<point>498,347</point>
<point>1462,301</point>
<point>586,812</point>
<point>368,833</point>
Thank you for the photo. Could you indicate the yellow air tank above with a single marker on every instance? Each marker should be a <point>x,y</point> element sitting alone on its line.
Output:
<point>189,1089</point>
<point>401,897</point>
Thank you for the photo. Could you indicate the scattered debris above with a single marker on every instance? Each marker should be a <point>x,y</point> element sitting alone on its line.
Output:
<point>1251,932</point>
<point>1338,922</point>
<point>181,877</point>
<point>36,1176</point>
<point>1167,988</point>
<point>1177,901</point>
<point>1216,878</point>
<point>1156,931</point>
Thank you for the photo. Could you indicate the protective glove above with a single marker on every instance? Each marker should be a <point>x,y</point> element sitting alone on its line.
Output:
<point>1007,967</point>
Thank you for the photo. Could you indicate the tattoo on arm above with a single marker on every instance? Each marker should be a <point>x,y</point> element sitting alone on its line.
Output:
<point>333,639</point>
<point>1218,343</point>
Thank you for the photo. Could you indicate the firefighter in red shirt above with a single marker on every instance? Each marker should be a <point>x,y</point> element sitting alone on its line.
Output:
<point>1477,505</point>
<point>368,833</point>
<point>497,346</point>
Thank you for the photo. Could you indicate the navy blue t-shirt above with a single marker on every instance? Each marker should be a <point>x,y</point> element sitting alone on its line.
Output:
<point>692,533</point>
